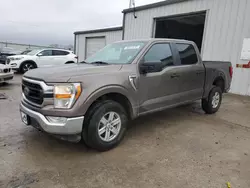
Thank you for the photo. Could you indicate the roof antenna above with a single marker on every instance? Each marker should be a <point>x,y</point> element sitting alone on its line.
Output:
<point>132,4</point>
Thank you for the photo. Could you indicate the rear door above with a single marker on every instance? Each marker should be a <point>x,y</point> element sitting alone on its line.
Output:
<point>60,56</point>
<point>191,72</point>
<point>158,88</point>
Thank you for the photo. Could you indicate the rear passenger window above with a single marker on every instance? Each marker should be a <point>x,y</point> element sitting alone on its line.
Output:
<point>187,54</point>
<point>159,53</point>
<point>60,52</point>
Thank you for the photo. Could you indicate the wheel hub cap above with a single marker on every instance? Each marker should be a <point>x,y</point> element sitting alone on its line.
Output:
<point>109,126</point>
<point>216,100</point>
<point>27,67</point>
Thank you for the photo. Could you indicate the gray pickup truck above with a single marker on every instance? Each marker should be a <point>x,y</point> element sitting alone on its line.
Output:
<point>93,100</point>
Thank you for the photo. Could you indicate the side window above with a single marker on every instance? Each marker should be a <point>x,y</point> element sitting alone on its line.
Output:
<point>187,54</point>
<point>59,52</point>
<point>46,53</point>
<point>160,53</point>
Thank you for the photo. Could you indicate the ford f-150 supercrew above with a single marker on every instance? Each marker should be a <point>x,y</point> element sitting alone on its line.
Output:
<point>94,99</point>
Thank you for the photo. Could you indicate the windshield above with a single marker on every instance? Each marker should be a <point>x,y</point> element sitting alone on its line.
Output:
<point>117,53</point>
<point>33,52</point>
<point>25,52</point>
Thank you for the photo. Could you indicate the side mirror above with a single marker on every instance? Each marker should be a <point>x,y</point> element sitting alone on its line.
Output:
<point>40,54</point>
<point>149,67</point>
<point>143,68</point>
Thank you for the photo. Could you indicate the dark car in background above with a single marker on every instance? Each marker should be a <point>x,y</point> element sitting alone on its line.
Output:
<point>5,52</point>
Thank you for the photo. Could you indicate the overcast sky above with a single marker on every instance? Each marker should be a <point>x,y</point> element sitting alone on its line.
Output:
<point>47,22</point>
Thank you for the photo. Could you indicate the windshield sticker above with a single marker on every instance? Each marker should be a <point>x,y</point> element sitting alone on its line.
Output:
<point>132,47</point>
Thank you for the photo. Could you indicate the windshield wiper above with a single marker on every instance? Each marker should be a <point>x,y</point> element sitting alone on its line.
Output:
<point>100,62</point>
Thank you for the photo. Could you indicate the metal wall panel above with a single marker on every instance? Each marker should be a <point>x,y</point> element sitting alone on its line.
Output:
<point>227,24</point>
<point>111,36</point>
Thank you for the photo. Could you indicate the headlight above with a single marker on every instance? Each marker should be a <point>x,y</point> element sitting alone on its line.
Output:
<point>65,95</point>
<point>16,58</point>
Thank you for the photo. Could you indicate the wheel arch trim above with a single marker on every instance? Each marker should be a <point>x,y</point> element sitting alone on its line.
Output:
<point>108,90</point>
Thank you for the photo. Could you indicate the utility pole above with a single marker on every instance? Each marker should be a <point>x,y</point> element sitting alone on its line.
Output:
<point>131,3</point>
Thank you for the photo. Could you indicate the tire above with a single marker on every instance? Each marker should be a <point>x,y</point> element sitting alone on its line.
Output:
<point>26,66</point>
<point>212,104</point>
<point>97,121</point>
<point>70,62</point>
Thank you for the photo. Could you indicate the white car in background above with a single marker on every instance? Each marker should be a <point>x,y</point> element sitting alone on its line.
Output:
<point>41,58</point>
<point>6,73</point>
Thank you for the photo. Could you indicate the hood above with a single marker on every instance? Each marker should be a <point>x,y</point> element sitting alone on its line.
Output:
<point>66,72</point>
<point>17,56</point>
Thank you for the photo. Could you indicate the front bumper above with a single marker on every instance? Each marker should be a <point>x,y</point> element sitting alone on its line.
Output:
<point>14,64</point>
<point>72,126</point>
<point>6,76</point>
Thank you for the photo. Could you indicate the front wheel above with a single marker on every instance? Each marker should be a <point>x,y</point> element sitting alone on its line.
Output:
<point>106,125</point>
<point>26,67</point>
<point>212,104</point>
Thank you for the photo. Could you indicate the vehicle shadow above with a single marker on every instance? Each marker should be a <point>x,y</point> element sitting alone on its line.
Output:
<point>163,119</point>
<point>141,125</point>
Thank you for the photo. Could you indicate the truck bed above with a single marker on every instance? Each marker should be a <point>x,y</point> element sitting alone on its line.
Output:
<point>214,69</point>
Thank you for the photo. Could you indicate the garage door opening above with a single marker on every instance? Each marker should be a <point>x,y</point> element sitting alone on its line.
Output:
<point>188,27</point>
<point>94,44</point>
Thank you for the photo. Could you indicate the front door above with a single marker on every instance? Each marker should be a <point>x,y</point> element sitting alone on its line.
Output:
<point>45,59</point>
<point>59,57</point>
<point>159,86</point>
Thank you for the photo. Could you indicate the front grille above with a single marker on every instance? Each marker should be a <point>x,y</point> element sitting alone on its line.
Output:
<point>32,92</point>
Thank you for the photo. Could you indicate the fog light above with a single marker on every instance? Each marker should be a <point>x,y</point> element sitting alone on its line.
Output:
<point>59,120</point>
<point>13,65</point>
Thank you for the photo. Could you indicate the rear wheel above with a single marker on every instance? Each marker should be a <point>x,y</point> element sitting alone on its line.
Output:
<point>27,66</point>
<point>212,104</point>
<point>105,125</point>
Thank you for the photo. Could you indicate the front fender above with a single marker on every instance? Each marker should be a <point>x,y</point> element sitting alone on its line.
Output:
<point>106,90</point>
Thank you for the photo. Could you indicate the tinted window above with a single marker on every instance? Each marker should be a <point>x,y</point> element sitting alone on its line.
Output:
<point>60,52</point>
<point>187,54</point>
<point>160,53</point>
<point>46,53</point>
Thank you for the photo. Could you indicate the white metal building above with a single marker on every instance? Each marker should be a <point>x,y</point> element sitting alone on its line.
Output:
<point>88,42</point>
<point>217,26</point>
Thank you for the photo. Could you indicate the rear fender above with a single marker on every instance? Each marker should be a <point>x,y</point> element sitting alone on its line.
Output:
<point>209,83</point>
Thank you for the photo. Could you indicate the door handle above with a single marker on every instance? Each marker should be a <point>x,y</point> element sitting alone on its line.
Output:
<point>175,75</point>
<point>199,72</point>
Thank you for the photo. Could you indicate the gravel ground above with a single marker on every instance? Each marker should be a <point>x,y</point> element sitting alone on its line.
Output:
<point>180,147</point>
